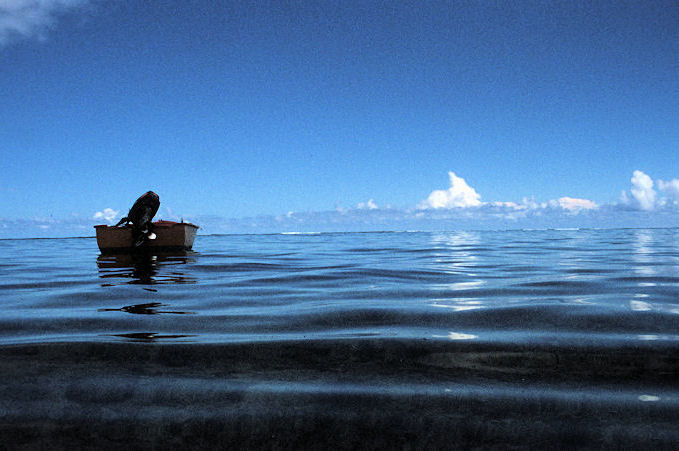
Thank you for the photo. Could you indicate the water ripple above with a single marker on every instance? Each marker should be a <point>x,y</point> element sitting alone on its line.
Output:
<point>491,334</point>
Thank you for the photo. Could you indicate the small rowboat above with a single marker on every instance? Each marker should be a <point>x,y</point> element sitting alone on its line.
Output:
<point>170,236</point>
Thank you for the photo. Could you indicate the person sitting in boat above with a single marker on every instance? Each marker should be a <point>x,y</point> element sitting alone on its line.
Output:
<point>140,216</point>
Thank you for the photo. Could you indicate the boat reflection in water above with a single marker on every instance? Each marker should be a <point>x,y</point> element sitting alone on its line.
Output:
<point>148,270</point>
<point>145,268</point>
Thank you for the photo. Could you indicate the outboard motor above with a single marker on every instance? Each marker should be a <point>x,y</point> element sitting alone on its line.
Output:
<point>140,216</point>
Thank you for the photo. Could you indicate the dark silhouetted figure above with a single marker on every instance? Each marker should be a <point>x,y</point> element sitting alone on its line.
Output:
<point>140,216</point>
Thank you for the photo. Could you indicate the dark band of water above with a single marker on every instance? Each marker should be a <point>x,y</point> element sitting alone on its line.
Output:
<point>431,339</point>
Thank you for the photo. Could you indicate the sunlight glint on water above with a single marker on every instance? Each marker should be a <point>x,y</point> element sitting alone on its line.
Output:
<point>549,320</point>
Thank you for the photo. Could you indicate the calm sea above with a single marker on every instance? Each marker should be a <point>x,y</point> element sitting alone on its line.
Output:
<point>540,339</point>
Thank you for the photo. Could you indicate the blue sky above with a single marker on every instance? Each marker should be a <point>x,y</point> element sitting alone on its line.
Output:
<point>281,115</point>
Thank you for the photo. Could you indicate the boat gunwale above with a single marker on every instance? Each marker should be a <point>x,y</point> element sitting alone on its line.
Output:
<point>159,224</point>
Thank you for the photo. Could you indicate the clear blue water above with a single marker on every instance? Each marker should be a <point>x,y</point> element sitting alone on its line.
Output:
<point>508,338</point>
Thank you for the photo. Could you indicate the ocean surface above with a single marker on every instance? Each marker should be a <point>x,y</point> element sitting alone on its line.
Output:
<point>413,340</point>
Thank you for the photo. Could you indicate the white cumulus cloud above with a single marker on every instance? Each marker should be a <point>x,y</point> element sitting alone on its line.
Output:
<point>31,18</point>
<point>460,194</point>
<point>643,194</point>
<point>108,215</point>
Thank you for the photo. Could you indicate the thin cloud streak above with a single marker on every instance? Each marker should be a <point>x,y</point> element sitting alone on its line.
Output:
<point>108,214</point>
<point>32,19</point>
<point>572,204</point>
<point>370,205</point>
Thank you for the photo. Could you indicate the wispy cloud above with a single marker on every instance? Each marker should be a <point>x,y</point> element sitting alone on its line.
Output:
<point>108,214</point>
<point>670,188</point>
<point>576,205</point>
<point>485,217</point>
<point>45,227</point>
<point>370,205</point>
<point>32,19</point>
<point>459,195</point>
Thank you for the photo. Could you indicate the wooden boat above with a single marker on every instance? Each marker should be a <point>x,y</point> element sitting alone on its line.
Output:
<point>170,236</point>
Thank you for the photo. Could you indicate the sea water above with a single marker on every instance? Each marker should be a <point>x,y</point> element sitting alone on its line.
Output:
<point>526,338</point>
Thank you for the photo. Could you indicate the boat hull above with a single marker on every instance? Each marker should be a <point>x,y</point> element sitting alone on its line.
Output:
<point>170,236</point>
